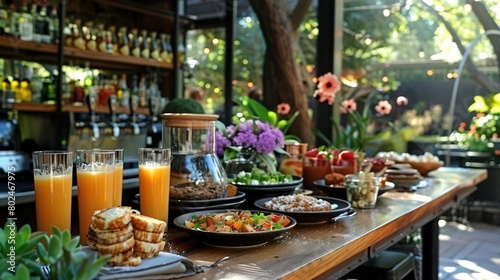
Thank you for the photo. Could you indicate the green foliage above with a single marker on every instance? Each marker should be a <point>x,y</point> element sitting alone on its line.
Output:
<point>255,110</point>
<point>22,253</point>
<point>66,259</point>
<point>486,104</point>
<point>183,105</point>
<point>17,250</point>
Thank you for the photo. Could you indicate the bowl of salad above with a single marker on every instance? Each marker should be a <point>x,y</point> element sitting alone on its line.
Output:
<point>258,183</point>
<point>235,228</point>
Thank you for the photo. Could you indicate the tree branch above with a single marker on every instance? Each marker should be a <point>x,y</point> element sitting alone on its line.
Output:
<point>299,13</point>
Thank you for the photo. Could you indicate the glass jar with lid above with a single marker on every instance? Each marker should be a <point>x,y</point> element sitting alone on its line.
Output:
<point>196,171</point>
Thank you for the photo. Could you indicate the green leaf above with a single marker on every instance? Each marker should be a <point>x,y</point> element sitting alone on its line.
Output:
<point>221,127</point>
<point>43,254</point>
<point>55,247</point>
<point>271,167</point>
<point>33,266</point>
<point>73,243</point>
<point>290,122</point>
<point>479,105</point>
<point>22,272</point>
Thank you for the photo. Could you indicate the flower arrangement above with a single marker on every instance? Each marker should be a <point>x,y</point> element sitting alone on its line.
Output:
<point>360,126</point>
<point>259,133</point>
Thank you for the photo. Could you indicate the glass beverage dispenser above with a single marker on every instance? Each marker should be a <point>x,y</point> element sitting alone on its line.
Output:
<point>196,172</point>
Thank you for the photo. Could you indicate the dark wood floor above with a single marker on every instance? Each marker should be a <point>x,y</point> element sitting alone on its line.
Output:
<point>469,251</point>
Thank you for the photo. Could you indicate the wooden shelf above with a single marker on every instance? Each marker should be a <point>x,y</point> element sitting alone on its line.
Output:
<point>107,61</point>
<point>102,109</point>
<point>35,107</point>
<point>51,108</point>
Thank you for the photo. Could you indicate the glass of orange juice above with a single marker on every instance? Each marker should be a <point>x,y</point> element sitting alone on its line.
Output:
<point>53,178</point>
<point>154,182</point>
<point>95,179</point>
<point>117,197</point>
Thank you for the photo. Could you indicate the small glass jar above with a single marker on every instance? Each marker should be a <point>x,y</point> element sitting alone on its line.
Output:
<point>362,189</point>
<point>196,172</point>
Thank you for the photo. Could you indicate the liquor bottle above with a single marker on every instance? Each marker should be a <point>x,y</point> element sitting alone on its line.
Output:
<point>36,86</point>
<point>54,25</point>
<point>145,48</point>
<point>142,92</point>
<point>123,92</point>
<point>101,38</point>
<point>114,39</point>
<point>181,52</point>
<point>109,42</point>
<point>68,31</point>
<point>155,49</point>
<point>90,36</point>
<point>3,19</point>
<point>123,44</point>
<point>14,20</point>
<point>166,54</point>
<point>43,23</point>
<point>78,40</point>
<point>25,23</point>
<point>135,43</point>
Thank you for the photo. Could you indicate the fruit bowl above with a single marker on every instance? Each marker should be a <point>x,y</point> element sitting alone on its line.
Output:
<point>424,167</point>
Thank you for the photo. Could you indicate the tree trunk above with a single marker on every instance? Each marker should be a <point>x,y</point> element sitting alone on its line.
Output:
<point>282,80</point>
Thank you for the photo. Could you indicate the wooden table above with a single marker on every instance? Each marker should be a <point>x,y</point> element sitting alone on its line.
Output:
<point>330,250</point>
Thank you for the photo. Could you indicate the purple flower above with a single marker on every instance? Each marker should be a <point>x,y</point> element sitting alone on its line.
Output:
<point>251,135</point>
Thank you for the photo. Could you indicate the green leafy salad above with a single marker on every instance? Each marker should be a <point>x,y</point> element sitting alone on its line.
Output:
<point>260,177</point>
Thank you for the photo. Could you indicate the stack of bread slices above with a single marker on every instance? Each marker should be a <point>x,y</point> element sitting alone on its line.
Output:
<point>126,236</point>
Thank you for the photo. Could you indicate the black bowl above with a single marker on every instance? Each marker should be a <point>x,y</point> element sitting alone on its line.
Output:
<point>338,191</point>
<point>232,239</point>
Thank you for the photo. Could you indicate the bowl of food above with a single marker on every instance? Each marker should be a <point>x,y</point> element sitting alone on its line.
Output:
<point>339,190</point>
<point>424,168</point>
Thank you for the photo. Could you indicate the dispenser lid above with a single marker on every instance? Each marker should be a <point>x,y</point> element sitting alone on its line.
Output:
<point>189,120</point>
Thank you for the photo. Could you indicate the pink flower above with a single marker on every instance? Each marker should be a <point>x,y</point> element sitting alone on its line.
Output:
<point>324,97</point>
<point>402,101</point>
<point>383,107</point>
<point>283,108</point>
<point>348,105</point>
<point>328,86</point>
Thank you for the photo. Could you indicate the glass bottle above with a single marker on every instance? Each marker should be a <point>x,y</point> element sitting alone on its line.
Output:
<point>154,51</point>
<point>14,20</point>
<point>114,39</point>
<point>90,37</point>
<point>101,38</point>
<point>68,31</point>
<point>123,92</point>
<point>54,25</point>
<point>3,19</point>
<point>135,43</point>
<point>142,92</point>
<point>146,41</point>
<point>26,22</point>
<point>196,172</point>
<point>78,39</point>
<point>166,54</point>
<point>123,45</point>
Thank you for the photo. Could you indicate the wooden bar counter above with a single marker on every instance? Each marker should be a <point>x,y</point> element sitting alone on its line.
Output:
<point>330,250</point>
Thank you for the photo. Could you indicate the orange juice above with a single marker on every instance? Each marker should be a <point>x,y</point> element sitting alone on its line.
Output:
<point>117,196</point>
<point>154,187</point>
<point>53,202</point>
<point>95,192</point>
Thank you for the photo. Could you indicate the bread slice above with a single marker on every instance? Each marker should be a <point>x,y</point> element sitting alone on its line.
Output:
<point>147,236</point>
<point>111,248</point>
<point>132,261</point>
<point>112,218</point>
<point>119,258</point>
<point>109,237</point>
<point>147,249</point>
<point>145,223</point>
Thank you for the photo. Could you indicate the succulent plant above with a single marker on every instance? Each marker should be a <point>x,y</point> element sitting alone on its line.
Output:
<point>17,252</point>
<point>23,253</point>
<point>66,259</point>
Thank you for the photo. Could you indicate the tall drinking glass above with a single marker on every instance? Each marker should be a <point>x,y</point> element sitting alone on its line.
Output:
<point>117,197</point>
<point>154,182</point>
<point>95,179</point>
<point>53,176</point>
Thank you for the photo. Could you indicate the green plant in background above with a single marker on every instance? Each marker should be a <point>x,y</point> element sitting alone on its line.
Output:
<point>23,254</point>
<point>486,104</point>
<point>183,105</point>
<point>255,110</point>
